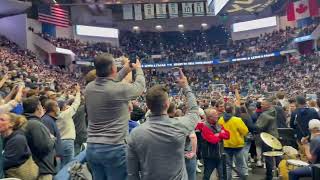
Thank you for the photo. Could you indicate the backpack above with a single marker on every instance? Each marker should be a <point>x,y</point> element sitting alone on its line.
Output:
<point>79,171</point>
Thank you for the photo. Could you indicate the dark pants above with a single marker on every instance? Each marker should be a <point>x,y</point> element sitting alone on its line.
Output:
<point>300,172</point>
<point>270,162</point>
<point>199,137</point>
<point>210,165</point>
<point>107,161</point>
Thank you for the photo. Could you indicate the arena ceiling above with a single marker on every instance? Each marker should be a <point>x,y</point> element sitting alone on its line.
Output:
<point>8,7</point>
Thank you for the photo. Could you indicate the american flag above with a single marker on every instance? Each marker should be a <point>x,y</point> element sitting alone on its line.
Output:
<point>53,14</point>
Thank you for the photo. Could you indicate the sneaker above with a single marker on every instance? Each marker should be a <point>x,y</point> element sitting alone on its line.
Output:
<point>199,163</point>
<point>259,163</point>
<point>198,170</point>
<point>235,176</point>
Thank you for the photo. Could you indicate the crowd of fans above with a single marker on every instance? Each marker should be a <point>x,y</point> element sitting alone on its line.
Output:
<point>85,51</point>
<point>169,47</point>
<point>257,77</point>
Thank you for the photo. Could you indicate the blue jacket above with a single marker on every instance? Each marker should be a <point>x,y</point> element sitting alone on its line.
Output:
<point>50,123</point>
<point>132,124</point>
<point>300,120</point>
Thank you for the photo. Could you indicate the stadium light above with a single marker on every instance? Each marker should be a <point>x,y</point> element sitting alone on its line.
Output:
<point>204,25</point>
<point>180,26</point>
<point>158,27</point>
<point>136,28</point>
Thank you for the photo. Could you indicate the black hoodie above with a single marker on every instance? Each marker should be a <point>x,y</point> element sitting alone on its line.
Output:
<point>300,120</point>
<point>40,143</point>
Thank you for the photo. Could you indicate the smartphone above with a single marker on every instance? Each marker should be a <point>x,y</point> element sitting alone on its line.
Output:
<point>133,58</point>
<point>176,73</point>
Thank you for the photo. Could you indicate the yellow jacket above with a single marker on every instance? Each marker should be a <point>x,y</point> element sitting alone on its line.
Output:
<point>237,129</point>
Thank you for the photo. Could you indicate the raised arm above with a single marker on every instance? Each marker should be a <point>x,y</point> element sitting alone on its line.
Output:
<point>123,72</point>
<point>3,80</point>
<point>71,111</point>
<point>190,120</point>
<point>136,88</point>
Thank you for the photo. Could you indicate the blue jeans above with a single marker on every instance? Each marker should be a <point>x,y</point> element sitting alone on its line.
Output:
<point>107,161</point>
<point>300,172</point>
<point>191,166</point>
<point>241,165</point>
<point>210,165</point>
<point>245,152</point>
<point>67,151</point>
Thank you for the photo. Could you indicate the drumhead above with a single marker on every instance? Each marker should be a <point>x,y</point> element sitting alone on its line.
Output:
<point>273,153</point>
<point>297,162</point>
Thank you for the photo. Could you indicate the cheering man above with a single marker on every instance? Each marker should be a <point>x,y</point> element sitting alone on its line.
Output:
<point>156,148</point>
<point>106,100</point>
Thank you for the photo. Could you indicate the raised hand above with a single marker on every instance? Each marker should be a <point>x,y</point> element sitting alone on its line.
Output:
<point>182,80</point>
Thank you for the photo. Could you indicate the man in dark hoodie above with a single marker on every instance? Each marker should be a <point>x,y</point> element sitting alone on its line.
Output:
<point>301,116</point>
<point>39,140</point>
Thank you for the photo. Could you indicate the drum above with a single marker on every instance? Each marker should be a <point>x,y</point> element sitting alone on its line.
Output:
<point>285,166</point>
<point>290,153</point>
<point>294,164</point>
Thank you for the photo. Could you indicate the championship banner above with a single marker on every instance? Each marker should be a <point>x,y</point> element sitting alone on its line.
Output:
<point>173,10</point>
<point>248,6</point>
<point>198,8</point>
<point>127,11</point>
<point>210,12</point>
<point>137,12</point>
<point>148,11</point>
<point>161,10</point>
<point>187,9</point>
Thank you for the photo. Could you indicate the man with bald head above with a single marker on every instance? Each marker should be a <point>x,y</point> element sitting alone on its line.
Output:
<point>211,139</point>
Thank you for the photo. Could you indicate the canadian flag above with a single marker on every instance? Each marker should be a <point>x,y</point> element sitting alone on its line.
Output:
<point>302,9</point>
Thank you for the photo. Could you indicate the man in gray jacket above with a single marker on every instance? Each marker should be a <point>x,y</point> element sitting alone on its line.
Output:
<point>106,101</point>
<point>267,122</point>
<point>156,148</point>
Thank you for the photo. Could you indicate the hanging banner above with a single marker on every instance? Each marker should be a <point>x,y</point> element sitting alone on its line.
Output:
<point>210,11</point>
<point>148,11</point>
<point>173,10</point>
<point>198,8</point>
<point>127,11</point>
<point>137,12</point>
<point>161,10</point>
<point>187,9</point>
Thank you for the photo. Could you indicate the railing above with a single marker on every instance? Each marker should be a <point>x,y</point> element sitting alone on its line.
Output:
<point>43,44</point>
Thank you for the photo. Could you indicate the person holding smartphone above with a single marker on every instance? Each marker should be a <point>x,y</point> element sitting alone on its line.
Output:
<point>156,148</point>
<point>106,103</point>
